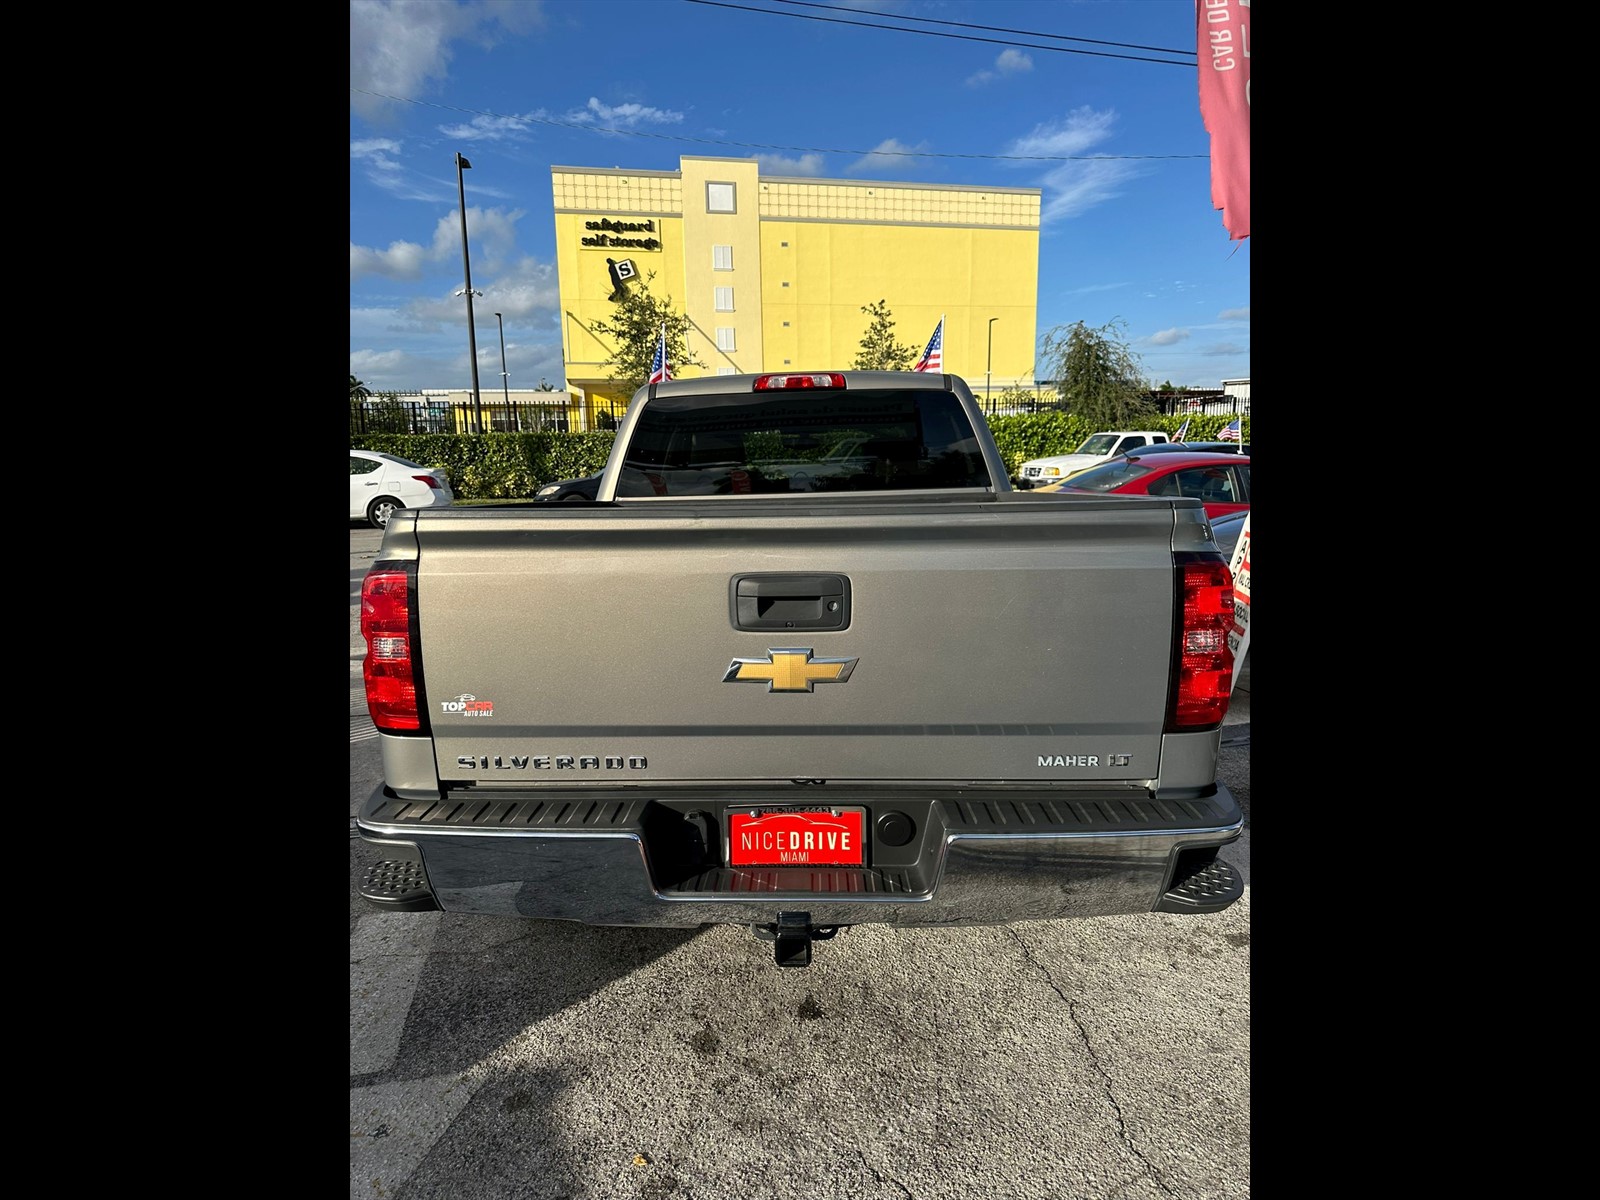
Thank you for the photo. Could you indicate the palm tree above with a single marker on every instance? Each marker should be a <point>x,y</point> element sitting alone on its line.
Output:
<point>359,392</point>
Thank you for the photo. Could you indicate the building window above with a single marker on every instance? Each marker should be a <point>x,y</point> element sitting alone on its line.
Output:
<point>724,370</point>
<point>725,299</point>
<point>785,283</point>
<point>719,198</point>
<point>725,337</point>
<point>722,258</point>
<point>786,324</point>
<point>785,245</point>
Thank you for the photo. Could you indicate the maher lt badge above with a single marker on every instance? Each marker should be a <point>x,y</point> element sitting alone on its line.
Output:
<point>788,669</point>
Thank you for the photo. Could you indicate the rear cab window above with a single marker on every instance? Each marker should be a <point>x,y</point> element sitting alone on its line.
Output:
<point>783,443</point>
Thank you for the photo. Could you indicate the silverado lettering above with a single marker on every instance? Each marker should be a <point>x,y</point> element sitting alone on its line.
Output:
<point>546,762</point>
<point>783,530</point>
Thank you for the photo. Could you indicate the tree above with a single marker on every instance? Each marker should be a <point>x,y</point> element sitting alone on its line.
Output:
<point>879,351</point>
<point>359,392</point>
<point>386,414</point>
<point>634,332</point>
<point>1097,376</point>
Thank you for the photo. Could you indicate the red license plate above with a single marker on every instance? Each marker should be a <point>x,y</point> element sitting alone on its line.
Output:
<point>793,837</point>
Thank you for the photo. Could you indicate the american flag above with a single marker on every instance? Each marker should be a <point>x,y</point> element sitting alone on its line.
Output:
<point>1182,431</point>
<point>1230,431</point>
<point>933,357</point>
<point>660,369</point>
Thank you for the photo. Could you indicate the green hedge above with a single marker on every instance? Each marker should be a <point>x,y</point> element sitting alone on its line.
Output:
<point>497,466</point>
<point>508,466</point>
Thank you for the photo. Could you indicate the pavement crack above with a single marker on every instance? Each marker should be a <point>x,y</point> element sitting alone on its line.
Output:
<point>1094,1058</point>
<point>879,1177</point>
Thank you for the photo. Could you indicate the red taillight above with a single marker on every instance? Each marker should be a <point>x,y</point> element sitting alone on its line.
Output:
<point>386,624</point>
<point>1203,657</point>
<point>427,479</point>
<point>814,379</point>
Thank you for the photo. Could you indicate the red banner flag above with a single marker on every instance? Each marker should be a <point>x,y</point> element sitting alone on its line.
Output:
<point>1224,52</point>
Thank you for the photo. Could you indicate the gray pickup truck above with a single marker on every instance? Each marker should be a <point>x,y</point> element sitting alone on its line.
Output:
<point>733,690</point>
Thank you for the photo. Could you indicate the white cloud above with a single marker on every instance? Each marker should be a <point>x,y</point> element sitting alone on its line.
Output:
<point>1009,62</point>
<point>1168,337</point>
<point>368,365</point>
<point>379,158</point>
<point>1075,188</point>
<point>401,48</point>
<point>402,260</point>
<point>487,129</point>
<point>887,155</point>
<point>1079,131</point>
<point>385,169</point>
<point>1234,314</point>
<point>1096,287</point>
<point>526,295</point>
<point>1072,188</point>
<point>623,114</point>
<point>525,292</point>
<point>491,231</point>
<point>776,164</point>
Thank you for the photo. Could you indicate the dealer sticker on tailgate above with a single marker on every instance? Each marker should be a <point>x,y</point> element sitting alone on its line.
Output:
<point>781,837</point>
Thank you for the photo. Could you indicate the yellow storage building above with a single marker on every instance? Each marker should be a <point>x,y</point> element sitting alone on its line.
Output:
<point>773,271</point>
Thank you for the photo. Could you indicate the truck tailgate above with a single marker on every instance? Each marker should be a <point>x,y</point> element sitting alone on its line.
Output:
<point>1000,639</point>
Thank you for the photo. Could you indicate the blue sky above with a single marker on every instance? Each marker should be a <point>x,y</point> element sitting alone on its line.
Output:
<point>517,86</point>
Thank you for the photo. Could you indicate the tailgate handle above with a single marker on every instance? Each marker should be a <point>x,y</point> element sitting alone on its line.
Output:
<point>789,602</point>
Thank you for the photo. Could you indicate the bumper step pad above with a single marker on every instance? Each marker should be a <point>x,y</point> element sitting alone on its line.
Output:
<point>398,887</point>
<point>1210,889</point>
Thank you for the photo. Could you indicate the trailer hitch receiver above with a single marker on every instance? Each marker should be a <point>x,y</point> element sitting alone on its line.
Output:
<point>791,935</point>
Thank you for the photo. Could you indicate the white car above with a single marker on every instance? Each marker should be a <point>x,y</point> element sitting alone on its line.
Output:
<point>1096,448</point>
<point>381,483</point>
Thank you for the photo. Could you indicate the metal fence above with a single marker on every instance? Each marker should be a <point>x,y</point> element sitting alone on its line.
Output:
<point>438,416</point>
<point>1195,402</point>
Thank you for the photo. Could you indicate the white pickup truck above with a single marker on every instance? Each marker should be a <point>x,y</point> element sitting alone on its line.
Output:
<point>1096,448</point>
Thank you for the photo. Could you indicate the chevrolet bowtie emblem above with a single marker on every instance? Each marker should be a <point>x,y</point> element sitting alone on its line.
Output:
<point>789,670</point>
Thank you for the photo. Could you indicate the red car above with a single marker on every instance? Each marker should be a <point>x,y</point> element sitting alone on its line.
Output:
<point>1219,481</point>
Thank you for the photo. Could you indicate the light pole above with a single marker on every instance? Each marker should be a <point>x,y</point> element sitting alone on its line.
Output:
<point>989,365</point>
<point>466,266</point>
<point>504,378</point>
